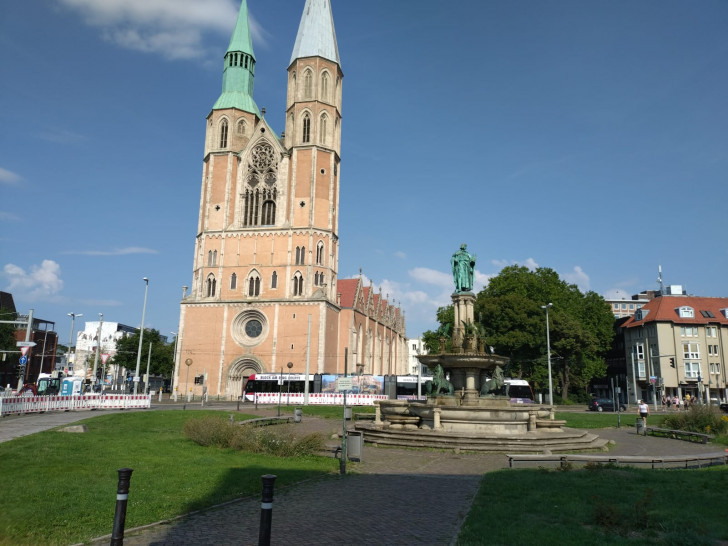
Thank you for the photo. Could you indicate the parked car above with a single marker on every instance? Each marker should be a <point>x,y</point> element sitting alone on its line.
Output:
<point>604,404</point>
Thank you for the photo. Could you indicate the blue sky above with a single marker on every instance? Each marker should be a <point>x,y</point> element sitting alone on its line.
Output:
<point>590,137</point>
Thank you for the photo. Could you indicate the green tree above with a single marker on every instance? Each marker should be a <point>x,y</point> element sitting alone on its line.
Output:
<point>7,331</point>
<point>162,357</point>
<point>510,310</point>
<point>431,340</point>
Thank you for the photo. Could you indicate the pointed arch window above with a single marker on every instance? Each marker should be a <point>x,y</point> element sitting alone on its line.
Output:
<point>233,282</point>
<point>274,280</point>
<point>223,133</point>
<point>325,87</point>
<point>211,258</point>
<point>320,253</point>
<point>316,279</point>
<point>210,286</point>
<point>308,85</point>
<point>254,285</point>
<point>257,204</point>
<point>306,128</point>
<point>323,124</point>
<point>298,284</point>
<point>241,127</point>
<point>300,255</point>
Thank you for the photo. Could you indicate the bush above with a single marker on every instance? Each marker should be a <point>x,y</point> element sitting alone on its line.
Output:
<point>703,419</point>
<point>278,441</point>
<point>209,431</point>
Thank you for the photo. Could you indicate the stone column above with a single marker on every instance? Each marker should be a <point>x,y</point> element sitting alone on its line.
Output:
<point>436,415</point>
<point>532,420</point>
<point>377,415</point>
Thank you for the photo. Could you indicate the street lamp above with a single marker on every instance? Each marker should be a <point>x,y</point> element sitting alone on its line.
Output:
<point>548,351</point>
<point>174,363</point>
<point>288,398</point>
<point>70,339</point>
<point>141,336</point>
<point>98,348</point>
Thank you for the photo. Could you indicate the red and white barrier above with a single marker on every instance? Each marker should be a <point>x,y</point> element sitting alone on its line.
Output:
<point>36,404</point>
<point>318,399</point>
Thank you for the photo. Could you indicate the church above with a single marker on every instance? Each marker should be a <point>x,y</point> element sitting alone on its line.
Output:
<point>265,294</point>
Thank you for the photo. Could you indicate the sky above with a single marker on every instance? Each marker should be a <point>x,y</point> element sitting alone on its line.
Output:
<point>590,137</point>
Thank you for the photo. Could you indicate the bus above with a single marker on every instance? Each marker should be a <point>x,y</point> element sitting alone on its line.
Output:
<point>403,387</point>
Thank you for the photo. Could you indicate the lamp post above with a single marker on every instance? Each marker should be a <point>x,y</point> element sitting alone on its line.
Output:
<point>548,351</point>
<point>174,364</point>
<point>288,398</point>
<point>70,339</point>
<point>141,336</point>
<point>98,347</point>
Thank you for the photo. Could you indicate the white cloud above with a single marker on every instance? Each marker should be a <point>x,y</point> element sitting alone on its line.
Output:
<point>530,263</point>
<point>401,255</point>
<point>115,252</point>
<point>8,177</point>
<point>9,217</point>
<point>431,276</point>
<point>40,282</point>
<point>171,28</point>
<point>579,278</point>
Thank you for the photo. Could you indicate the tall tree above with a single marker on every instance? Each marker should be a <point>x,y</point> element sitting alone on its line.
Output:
<point>510,309</point>
<point>7,331</point>
<point>162,357</point>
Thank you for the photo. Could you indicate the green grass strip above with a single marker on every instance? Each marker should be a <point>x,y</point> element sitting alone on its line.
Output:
<point>60,488</point>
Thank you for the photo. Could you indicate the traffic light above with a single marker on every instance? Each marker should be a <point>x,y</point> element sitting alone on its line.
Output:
<point>672,362</point>
<point>98,373</point>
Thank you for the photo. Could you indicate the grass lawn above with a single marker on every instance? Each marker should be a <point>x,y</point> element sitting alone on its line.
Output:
<point>60,488</point>
<point>602,505</point>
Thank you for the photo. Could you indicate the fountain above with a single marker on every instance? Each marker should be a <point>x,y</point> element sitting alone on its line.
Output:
<point>465,407</point>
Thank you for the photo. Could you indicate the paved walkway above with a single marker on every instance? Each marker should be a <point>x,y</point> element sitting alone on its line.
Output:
<point>394,497</point>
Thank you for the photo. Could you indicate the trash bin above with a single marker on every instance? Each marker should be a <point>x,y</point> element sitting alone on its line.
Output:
<point>354,445</point>
<point>640,424</point>
<point>297,415</point>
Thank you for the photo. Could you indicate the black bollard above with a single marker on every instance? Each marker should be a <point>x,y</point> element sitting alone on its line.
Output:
<point>266,510</point>
<point>122,496</point>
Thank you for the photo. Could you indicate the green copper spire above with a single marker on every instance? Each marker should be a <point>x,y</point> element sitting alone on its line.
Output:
<point>239,68</point>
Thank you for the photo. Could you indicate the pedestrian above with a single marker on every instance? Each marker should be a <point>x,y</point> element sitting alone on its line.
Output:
<point>663,401</point>
<point>676,402</point>
<point>643,410</point>
<point>668,402</point>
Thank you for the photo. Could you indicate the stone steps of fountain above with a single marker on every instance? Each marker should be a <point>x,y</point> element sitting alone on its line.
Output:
<point>563,440</point>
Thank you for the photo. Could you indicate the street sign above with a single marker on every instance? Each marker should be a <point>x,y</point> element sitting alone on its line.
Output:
<point>25,344</point>
<point>344,384</point>
<point>24,350</point>
<point>23,360</point>
<point>104,358</point>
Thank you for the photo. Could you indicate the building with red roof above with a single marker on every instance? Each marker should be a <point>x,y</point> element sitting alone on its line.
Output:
<point>676,345</point>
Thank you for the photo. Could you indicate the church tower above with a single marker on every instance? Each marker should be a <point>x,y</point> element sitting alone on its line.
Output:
<point>264,287</point>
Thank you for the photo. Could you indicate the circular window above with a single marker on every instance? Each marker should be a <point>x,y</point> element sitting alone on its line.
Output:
<point>249,328</point>
<point>253,328</point>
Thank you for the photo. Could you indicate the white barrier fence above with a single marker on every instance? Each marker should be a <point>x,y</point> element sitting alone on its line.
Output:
<point>36,404</point>
<point>321,399</point>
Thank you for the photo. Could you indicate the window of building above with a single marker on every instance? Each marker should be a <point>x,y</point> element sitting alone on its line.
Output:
<point>233,282</point>
<point>300,255</point>
<point>641,369</point>
<point>639,351</point>
<point>306,128</point>
<point>686,312</point>
<point>320,253</point>
<point>689,331</point>
<point>254,285</point>
<point>223,133</point>
<point>691,350</point>
<point>631,306</point>
<point>211,286</point>
<point>707,314</point>
<point>711,331</point>
<point>323,123</point>
<point>257,204</point>
<point>325,87</point>
<point>298,284</point>
<point>274,280</point>
<point>268,213</point>
<point>316,279</point>
<point>211,258</point>
<point>308,85</point>
<point>692,369</point>
<point>241,127</point>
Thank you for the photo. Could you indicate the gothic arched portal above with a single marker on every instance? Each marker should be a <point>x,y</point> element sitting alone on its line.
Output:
<point>238,374</point>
